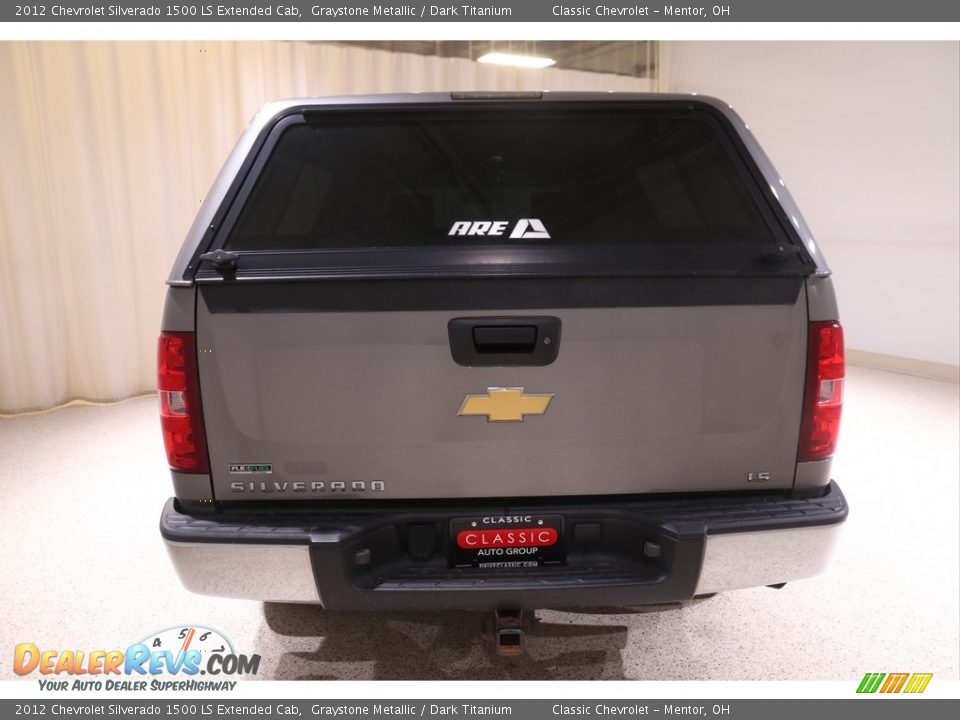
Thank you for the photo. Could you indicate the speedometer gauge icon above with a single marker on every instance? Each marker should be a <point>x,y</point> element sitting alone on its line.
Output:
<point>183,638</point>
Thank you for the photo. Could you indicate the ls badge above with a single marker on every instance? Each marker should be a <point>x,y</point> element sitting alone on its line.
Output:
<point>505,404</point>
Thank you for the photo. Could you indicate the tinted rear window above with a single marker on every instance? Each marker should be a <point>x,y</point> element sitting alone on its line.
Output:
<point>521,178</point>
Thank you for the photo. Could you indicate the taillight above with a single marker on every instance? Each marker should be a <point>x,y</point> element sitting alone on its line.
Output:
<point>823,395</point>
<point>180,416</point>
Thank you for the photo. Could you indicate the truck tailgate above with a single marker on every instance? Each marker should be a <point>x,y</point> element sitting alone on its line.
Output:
<point>332,404</point>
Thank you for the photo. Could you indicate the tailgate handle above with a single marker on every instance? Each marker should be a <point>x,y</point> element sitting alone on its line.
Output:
<point>505,338</point>
<point>504,341</point>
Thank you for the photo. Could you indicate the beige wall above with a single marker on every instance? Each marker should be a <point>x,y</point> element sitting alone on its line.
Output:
<point>867,137</point>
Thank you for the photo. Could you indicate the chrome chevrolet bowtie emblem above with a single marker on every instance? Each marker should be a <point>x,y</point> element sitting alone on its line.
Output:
<point>505,404</point>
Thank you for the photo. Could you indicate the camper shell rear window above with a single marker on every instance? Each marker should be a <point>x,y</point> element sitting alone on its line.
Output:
<point>615,185</point>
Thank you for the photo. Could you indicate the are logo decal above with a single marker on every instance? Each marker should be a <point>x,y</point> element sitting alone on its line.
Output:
<point>524,229</point>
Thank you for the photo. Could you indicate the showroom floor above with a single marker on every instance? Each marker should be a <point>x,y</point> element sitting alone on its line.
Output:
<point>84,567</point>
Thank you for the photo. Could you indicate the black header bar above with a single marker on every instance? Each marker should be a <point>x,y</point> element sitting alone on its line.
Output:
<point>569,11</point>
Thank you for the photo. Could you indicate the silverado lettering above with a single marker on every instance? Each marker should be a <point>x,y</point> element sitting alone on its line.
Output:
<point>303,486</point>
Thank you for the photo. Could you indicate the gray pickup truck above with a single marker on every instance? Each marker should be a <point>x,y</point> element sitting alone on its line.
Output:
<point>501,352</point>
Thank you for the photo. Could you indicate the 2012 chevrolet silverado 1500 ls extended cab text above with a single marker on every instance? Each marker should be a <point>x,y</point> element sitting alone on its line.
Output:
<point>499,351</point>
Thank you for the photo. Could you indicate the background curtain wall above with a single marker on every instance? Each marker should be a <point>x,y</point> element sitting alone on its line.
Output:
<point>108,151</point>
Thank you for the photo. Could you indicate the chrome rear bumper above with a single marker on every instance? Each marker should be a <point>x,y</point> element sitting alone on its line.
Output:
<point>359,559</point>
<point>768,557</point>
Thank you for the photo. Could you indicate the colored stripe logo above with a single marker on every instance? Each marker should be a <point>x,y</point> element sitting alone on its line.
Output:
<point>918,682</point>
<point>913,683</point>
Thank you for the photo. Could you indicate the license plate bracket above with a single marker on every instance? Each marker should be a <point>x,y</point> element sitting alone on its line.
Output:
<point>506,541</point>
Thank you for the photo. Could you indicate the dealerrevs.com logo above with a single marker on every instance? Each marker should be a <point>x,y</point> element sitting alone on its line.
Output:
<point>171,659</point>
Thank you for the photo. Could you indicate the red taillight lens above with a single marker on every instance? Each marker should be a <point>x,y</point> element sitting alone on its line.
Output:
<point>180,416</point>
<point>823,395</point>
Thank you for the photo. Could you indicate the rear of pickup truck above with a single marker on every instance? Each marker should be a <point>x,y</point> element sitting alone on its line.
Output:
<point>499,351</point>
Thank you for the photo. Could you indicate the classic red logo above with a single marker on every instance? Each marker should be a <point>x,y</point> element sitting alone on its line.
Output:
<point>515,537</point>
